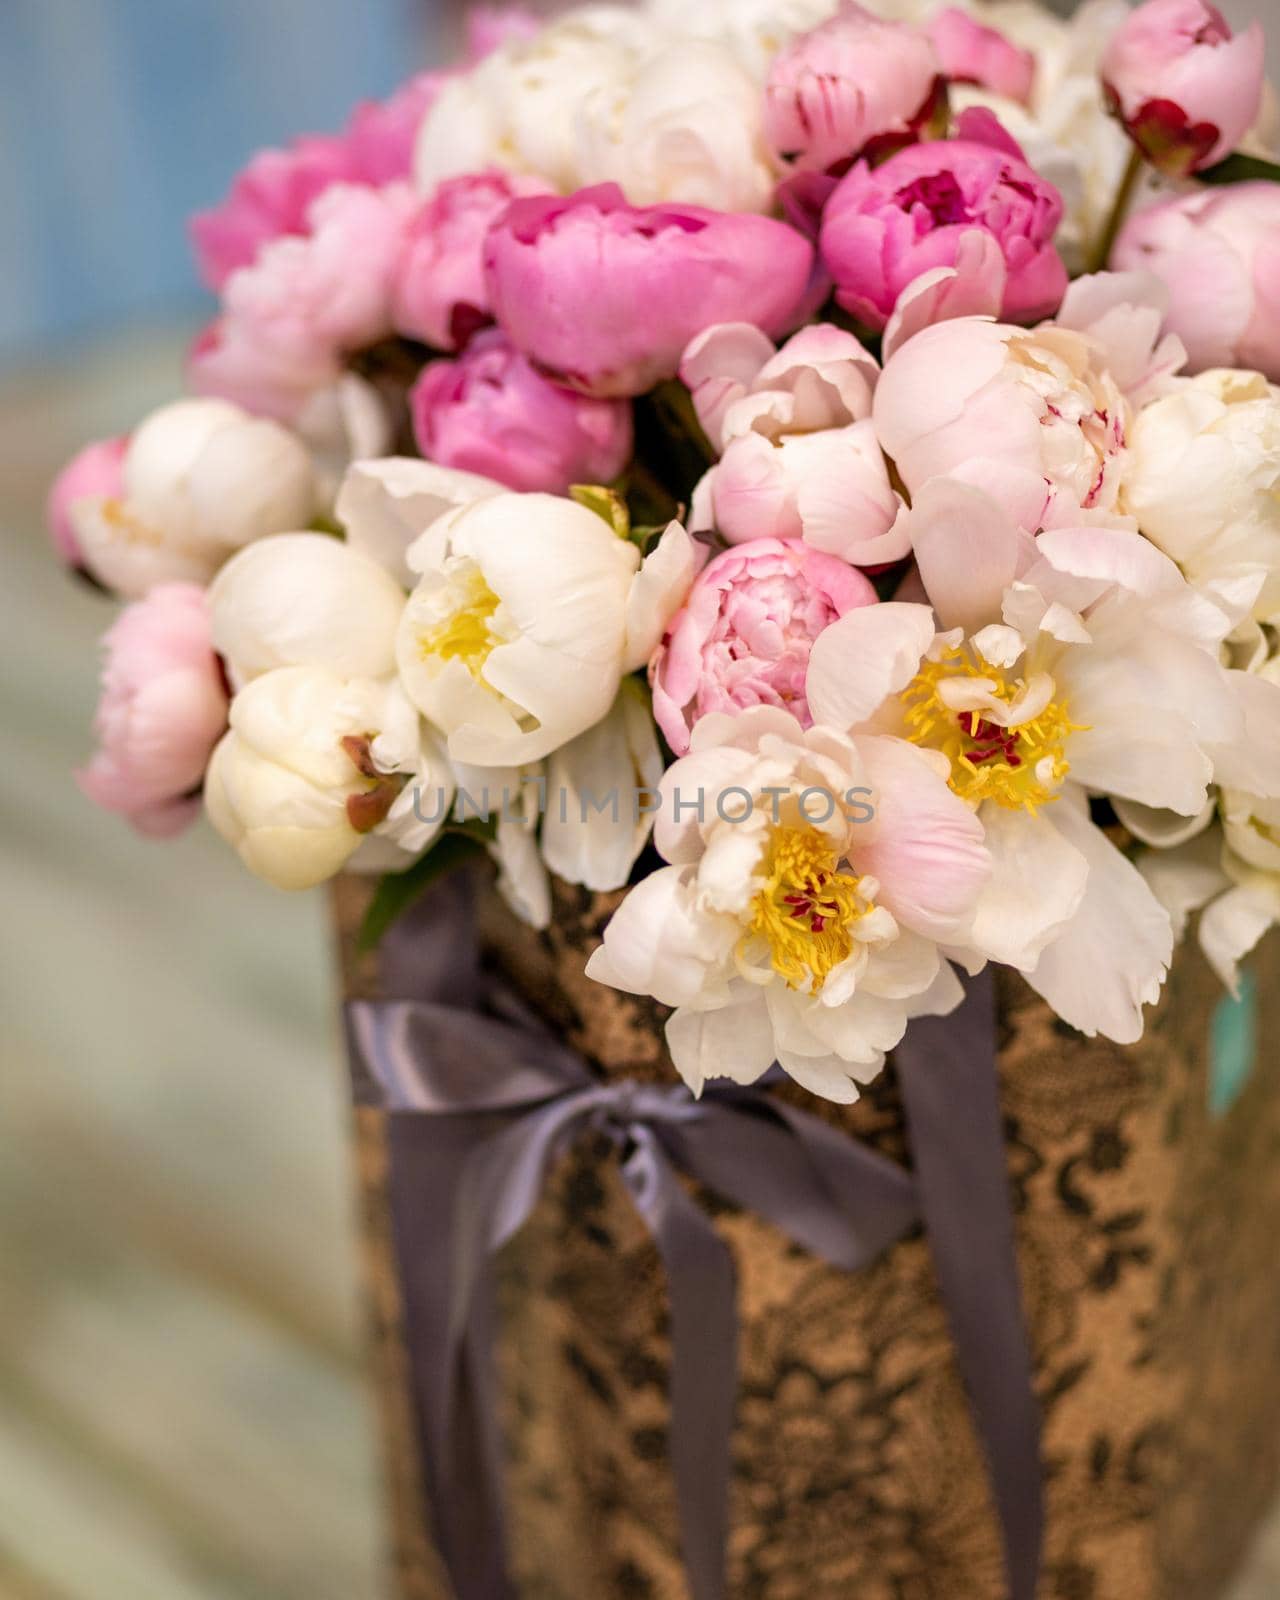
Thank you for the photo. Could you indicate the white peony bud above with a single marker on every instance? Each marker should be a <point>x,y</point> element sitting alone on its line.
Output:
<point>305,599</point>
<point>1202,479</point>
<point>685,125</point>
<point>200,478</point>
<point>313,765</point>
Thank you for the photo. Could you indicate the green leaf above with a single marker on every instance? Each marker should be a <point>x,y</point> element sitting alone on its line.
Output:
<point>1241,169</point>
<point>607,504</point>
<point>397,891</point>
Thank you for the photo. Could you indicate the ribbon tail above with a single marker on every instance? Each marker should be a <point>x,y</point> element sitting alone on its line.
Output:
<point>947,1070</point>
<point>498,1190</point>
<point>704,1359</point>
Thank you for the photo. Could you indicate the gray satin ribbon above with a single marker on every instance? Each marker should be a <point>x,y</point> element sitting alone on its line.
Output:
<point>482,1101</point>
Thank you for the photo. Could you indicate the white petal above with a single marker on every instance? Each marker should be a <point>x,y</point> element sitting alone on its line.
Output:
<point>859,661</point>
<point>595,825</point>
<point>657,593</point>
<point>1143,753</point>
<point>1233,925</point>
<point>522,878</point>
<point>304,599</point>
<point>1112,958</point>
<point>734,1041</point>
<point>386,505</point>
<point>1251,763</point>
<point>1185,879</point>
<point>1037,882</point>
<point>658,943</point>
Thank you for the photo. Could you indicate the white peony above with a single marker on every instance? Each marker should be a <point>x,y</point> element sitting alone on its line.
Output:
<point>755,30</point>
<point>685,124</point>
<point>811,876</point>
<point>606,94</point>
<point>1076,664</point>
<point>305,599</point>
<point>519,108</point>
<point>200,479</point>
<point>314,764</point>
<point>528,611</point>
<point>1202,480</point>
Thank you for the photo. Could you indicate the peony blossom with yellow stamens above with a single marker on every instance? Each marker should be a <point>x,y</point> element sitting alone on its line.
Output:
<point>812,878</point>
<point>1048,671</point>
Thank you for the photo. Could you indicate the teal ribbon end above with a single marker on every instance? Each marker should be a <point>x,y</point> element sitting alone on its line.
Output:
<point>1233,1046</point>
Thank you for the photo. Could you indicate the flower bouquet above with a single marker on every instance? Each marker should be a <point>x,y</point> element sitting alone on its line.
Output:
<point>775,643</point>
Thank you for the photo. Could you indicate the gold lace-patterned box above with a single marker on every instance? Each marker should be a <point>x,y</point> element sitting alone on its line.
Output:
<point>1146,1186</point>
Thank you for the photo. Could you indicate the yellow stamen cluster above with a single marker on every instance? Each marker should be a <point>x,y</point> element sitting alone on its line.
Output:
<point>1021,768</point>
<point>467,634</point>
<point>806,909</point>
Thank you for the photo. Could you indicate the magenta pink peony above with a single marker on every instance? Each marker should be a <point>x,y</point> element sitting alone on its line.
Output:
<point>855,85</point>
<point>1218,252</point>
<point>488,27</point>
<point>1186,88</point>
<point>971,52</point>
<point>439,295</point>
<point>381,133</point>
<point>607,295</point>
<point>886,226</point>
<point>272,197</point>
<point>163,708</point>
<point>744,636</point>
<point>491,412</point>
<point>97,472</point>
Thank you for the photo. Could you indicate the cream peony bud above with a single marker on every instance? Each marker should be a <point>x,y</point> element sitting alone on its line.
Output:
<point>1202,480</point>
<point>200,478</point>
<point>305,599</point>
<point>519,108</point>
<point>528,612</point>
<point>685,125</point>
<point>312,765</point>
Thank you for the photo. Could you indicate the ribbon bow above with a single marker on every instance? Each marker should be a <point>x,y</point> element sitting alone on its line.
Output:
<point>481,1103</point>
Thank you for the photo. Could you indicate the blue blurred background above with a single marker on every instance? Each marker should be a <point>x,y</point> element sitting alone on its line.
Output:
<point>120,117</point>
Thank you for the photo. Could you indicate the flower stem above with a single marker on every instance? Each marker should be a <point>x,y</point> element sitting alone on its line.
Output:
<point>1119,211</point>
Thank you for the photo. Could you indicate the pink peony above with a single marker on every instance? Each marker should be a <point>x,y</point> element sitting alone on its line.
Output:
<point>855,85</point>
<point>272,197</point>
<point>744,636</point>
<point>886,226</point>
<point>381,134</point>
<point>439,295</point>
<point>1186,88</point>
<point>96,473</point>
<point>1218,253</point>
<point>269,200</point>
<point>799,458</point>
<point>488,27</point>
<point>492,413</point>
<point>970,52</point>
<point>163,708</point>
<point>305,304</point>
<point>607,295</point>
